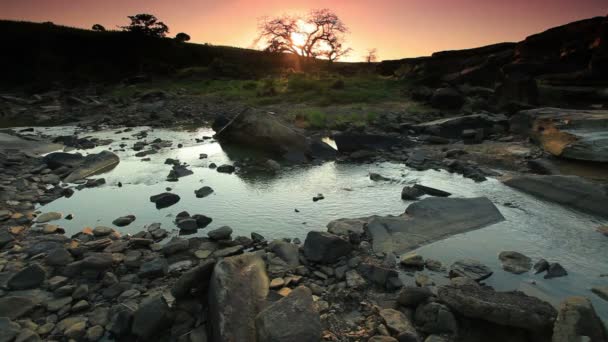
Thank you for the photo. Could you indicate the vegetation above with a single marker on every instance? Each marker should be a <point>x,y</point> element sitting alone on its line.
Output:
<point>147,25</point>
<point>98,27</point>
<point>182,37</point>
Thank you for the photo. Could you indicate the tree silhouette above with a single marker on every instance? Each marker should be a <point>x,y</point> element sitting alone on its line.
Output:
<point>98,27</point>
<point>320,33</point>
<point>146,24</point>
<point>372,55</point>
<point>182,37</point>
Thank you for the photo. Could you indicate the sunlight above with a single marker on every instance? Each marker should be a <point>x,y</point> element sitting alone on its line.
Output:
<point>298,38</point>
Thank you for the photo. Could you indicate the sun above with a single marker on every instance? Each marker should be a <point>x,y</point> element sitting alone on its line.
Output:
<point>298,38</point>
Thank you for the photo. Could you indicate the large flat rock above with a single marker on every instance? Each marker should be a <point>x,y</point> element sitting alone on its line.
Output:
<point>33,145</point>
<point>568,133</point>
<point>572,191</point>
<point>93,164</point>
<point>429,220</point>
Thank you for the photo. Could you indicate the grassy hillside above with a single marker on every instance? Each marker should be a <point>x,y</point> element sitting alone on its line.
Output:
<point>41,54</point>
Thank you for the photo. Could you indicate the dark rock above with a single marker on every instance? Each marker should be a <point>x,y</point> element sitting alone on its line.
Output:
<point>222,233</point>
<point>432,191</point>
<point>151,317</point>
<point>124,221</point>
<point>541,266</point>
<point>410,193</point>
<point>471,269</point>
<point>195,279</point>
<point>97,261</point>
<point>59,257</point>
<point>572,191</point>
<point>154,268</point>
<point>413,296</point>
<point>435,318</point>
<point>8,329</point>
<point>28,278</point>
<point>514,309</point>
<point>288,252</point>
<point>428,220</point>
<point>292,318</point>
<point>203,192</point>
<point>188,224</point>
<point>225,168</point>
<point>202,221</point>
<point>5,237</point>
<point>453,127</point>
<point>399,325</point>
<point>56,160</point>
<point>325,248</point>
<point>447,98</point>
<point>238,290</point>
<point>347,142</point>
<point>164,200</point>
<point>175,245</point>
<point>515,262</point>
<point>378,177</point>
<point>15,307</point>
<point>578,321</point>
<point>93,164</point>
<point>555,270</point>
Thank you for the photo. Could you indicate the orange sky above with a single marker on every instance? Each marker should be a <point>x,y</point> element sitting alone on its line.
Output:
<point>397,28</point>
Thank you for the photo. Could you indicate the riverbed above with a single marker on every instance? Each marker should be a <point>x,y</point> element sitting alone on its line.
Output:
<point>280,206</point>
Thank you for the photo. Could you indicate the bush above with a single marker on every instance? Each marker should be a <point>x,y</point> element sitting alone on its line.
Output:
<point>267,87</point>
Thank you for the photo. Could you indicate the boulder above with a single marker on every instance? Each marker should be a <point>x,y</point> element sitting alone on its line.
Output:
<point>15,307</point>
<point>345,226</point>
<point>515,262</point>
<point>237,293</point>
<point>288,252</point>
<point>222,233</point>
<point>429,220</point>
<point>469,268</point>
<point>514,309</point>
<point>151,317</point>
<point>265,132</point>
<point>203,192</point>
<point>447,98</point>
<point>124,220</point>
<point>325,248</point>
<point>56,160</point>
<point>28,278</point>
<point>412,296</point>
<point>164,200</point>
<point>399,325</point>
<point>578,321</point>
<point>292,318</point>
<point>567,133</point>
<point>435,318</point>
<point>572,191</point>
<point>93,164</point>
<point>194,279</point>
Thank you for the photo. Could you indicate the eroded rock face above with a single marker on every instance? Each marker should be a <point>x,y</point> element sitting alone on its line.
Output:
<point>504,308</point>
<point>572,191</point>
<point>237,293</point>
<point>292,318</point>
<point>263,131</point>
<point>429,220</point>
<point>577,320</point>
<point>567,133</point>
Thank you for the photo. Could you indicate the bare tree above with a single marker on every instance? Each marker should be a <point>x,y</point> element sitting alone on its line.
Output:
<point>321,33</point>
<point>146,24</point>
<point>372,55</point>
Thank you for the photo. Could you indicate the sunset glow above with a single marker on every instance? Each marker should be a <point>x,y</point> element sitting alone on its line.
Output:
<point>397,28</point>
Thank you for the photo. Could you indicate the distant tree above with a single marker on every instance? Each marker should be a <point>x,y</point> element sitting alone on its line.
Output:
<point>146,24</point>
<point>320,33</point>
<point>98,27</point>
<point>372,55</point>
<point>182,37</point>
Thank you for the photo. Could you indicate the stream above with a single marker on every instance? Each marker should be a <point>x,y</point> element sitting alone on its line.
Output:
<point>267,204</point>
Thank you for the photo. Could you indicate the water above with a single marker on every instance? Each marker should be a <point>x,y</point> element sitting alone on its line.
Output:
<point>266,204</point>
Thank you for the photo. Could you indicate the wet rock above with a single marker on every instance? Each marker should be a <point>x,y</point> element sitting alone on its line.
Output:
<point>411,296</point>
<point>58,304</point>
<point>93,164</point>
<point>398,324</point>
<point>124,221</point>
<point>435,318</point>
<point>318,198</point>
<point>354,280</point>
<point>175,245</point>
<point>8,329</point>
<point>429,220</point>
<point>382,339</point>
<point>151,317</point>
<point>195,279</point>
<point>56,160</point>
<point>471,269</point>
<point>203,192</point>
<point>188,224</point>
<point>154,268</point>
<point>238,290</point>
<point>353,141</point>
<point>27,335</point>
<point>178,171</point>
<point>376,177</point>
<point>453,127</point>
<point>410,193</point>
<point>288,252</point>
<point>292,318</point>
<point>572,191</point>
<point>202,221</point>
<point>121,321</point>
<point>97,261</point>
<point>325,248</point>
<point>102,231</point>
<point>94,333</point>
<point>513,309</point>
<point>28,278</point>
<point>555,270</point>
<point>47,217</point>
<point>515,262</point>
<point>222,233</point>
<point>345,226</point>
<point>432,191</point>
<point>541,266</point>
<point>5,237</point>
<point>385,277</point>
<point>15,307</point>
<point>601,291</point>
<point>578,321</point>
<point>228,251</point>
<point>225,168</point>
<point>59,257</point>
<point>412,260</point>
<point>164,200</point>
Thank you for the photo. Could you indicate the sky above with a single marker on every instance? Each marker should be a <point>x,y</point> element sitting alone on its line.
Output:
<point>396,28</point>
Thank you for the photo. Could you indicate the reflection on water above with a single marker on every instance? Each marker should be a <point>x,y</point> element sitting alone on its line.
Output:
<point>265,204</point>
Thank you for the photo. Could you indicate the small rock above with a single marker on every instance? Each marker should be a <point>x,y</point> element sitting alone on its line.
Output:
<point>324,247</point>
<point>412,260</point>
<point>541,266</point>
<point>203,192</point>
<point>470,268</point>
<point>124,221</point>
<point>515,262</point>
<point>555,270</point>
<point>222,233</point>
<point>226,168</point>
<point>28,278</point>
<point>411,296</point>
<point>601,291</point>
<point>164,200</point>
<point>399,325</point>
<point>47,217</point>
